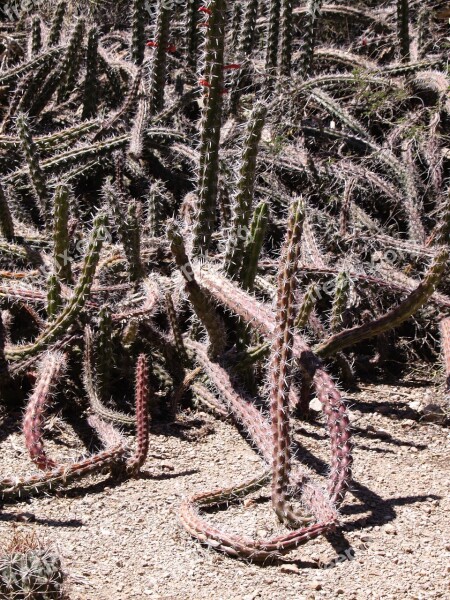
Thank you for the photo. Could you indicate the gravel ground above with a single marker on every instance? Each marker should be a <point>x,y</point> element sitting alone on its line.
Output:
<point>121,540</point>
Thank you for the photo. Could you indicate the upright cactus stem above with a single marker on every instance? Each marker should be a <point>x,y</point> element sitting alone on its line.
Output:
<point>285,61</point>
<point>403,29</point>
<point>158,73</point>
<point>33,162</point>
<point>36,36</point>
<point>242,206</point>
<point>57,23</point>
<point>62,260</point>
<point>280,365</point>
<point>54,299</point>
<point>309,37</point>
<point>254,245</point>
<point>212,83</point>
<point>138,32</point>
<point>6,222</point>
<point>273,32</point>
<point>90,98</point>
<point>306,307</point>
<point>72,60</point>
<point>340,301</point>
<point>247,38</point>
<point>192,33</point>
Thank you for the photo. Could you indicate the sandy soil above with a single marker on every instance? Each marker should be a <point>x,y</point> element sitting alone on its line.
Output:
<point>121,540</point>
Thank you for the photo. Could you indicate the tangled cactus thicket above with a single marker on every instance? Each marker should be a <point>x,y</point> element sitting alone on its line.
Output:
<point>211,199</point>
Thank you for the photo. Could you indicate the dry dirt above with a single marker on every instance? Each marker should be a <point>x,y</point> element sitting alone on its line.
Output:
<point>121,540</point>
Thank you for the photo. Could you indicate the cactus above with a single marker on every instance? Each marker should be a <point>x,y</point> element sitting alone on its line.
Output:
<point>62,260</point>
<point>34,574</point>
<point>54,300</point>
<point>247,37</point>
<point>36,36</point>
<point>6,221</point>
<point>286,38</point>
<point>90,101</point>
<point>35,173</point>
<point>142,422</point>
<point>309,38</point>
<point>254,245</point>
<point>138,32</point>
<point>210,127</point>
<point>51,369</point>
<point>54,36</point>
<point>72,61</point>
<point>242,205</point>
<point>282,353</point>
<point>403,28</point>
<point>158,67</point>
<point>192,33</point>
<point>273,31</point>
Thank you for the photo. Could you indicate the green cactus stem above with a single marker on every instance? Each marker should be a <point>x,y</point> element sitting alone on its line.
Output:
<point>90,97</point>
<point>212,83</point>
<point>54,36</point>
<point>62,259</point>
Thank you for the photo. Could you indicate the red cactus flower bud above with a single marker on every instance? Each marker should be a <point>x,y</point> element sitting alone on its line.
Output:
<point>231,67</point>
<point>204,9</point>
<point>171,48</point>
<point>152,44</point>
<point>204,83</point>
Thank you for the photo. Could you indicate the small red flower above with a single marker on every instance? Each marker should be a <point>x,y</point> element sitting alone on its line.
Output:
<point>152,44</point>
<point>204,83</point>
<point>171,48</point>
<point>204,9</point>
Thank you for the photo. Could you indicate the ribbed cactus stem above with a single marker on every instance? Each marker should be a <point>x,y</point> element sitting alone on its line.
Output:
<point>57,24</point>
<point>394,317</point>
<point>142,393</point>
<point>154,209</point>
<point>445,344</point>
<point>403,28</point>
<point>128,229</point>
<point>176,331</point>
<point>32,158</point>
<point>62,260</point>
<point>340,301</point>
<point>50,370</point>
<point>133,228</point>
<point>213,82</point>
<point>6,222</point>
<point>4,375</point>
<point>247,38</point>
<point>192,32</point>
<point>158,74</point>
<point>254,245</point>
<point>36,36</point>
<point>138,31</point>
<point>273,32</point>
<point>202,306</point>
<point>77,301</point>
<point>309,37</point>
<point>54,298</point>
<point>242,205</point>
<point>287,26</point>
<point>72,61</point>
<point>280,364</point>
<point>90,93</point>
<point>306,307</point>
